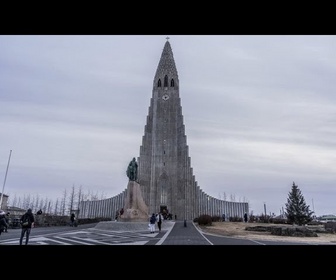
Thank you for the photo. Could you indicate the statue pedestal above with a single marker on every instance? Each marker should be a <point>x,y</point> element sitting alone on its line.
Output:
<point>135,208</point>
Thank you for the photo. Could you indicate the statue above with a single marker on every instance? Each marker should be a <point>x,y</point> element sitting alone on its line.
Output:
<point>132,170</point>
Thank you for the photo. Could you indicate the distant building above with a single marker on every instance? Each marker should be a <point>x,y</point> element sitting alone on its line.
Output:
<point>327,218</point>
<point>4,202</point>
<point>15,212</point>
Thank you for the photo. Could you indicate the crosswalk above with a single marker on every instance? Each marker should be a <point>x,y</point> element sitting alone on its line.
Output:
<point>92,236</point>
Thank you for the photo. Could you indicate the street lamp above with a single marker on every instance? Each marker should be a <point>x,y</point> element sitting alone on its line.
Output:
<point>3,187</point>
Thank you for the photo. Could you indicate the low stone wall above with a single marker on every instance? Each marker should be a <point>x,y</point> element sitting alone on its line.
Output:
<point>131,226</point>
<point>50,220</point>
<point>308,231</point>
<point>293,231</point>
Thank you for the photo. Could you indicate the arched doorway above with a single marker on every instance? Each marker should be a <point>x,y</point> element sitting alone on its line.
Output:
<point>164,211</point>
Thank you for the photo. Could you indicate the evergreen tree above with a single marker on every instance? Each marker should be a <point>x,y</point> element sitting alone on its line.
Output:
<point>296,209</point>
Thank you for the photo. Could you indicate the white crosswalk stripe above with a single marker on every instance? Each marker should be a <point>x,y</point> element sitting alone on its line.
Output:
<point>90,237</point>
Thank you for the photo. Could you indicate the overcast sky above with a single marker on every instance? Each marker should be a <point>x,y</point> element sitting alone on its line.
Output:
<point>259,113</point>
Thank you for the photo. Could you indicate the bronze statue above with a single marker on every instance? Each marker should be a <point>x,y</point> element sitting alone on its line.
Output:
<point>132,170</point>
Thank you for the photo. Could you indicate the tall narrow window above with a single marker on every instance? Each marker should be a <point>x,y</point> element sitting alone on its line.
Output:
<point>164,184</point>
<point>166,81</point>
<point>172,83</point>
<point>159,83</point>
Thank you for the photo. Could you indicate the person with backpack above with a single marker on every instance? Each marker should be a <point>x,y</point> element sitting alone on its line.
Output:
<point>27,222</point>
<point>159,219</point>
<point>152,222</point>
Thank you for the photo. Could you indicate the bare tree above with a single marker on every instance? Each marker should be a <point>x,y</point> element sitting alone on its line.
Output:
<point>40,204</point>
<point>72,199</point>
<point>26,201</point>
<point>59,207</point>
<point>80,196</point>
<point>63,202</point>
<point>102,196</point>
<point>15,201</point>
<point>19,204</point>
<point>37,201</point>
<point>48,211</point>
<point>94,196</point>
<point>56,212</point>
<point>44,206</point>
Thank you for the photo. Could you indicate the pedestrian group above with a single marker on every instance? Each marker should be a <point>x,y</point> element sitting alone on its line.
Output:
<point>158,218</point>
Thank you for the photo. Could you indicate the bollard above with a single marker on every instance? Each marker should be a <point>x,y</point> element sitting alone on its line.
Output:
<point>185,223</point>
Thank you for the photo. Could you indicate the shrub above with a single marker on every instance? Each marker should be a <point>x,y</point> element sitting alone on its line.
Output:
<point>278,221</point>
<point>205,220</point>
<point>235,219</point>
<point>330,227</point>
<point>216,218</point>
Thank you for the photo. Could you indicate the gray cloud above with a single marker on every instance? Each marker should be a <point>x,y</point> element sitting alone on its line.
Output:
<point>259,113</point>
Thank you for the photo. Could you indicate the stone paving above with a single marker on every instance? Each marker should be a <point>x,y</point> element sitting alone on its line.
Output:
<point>177,232</point>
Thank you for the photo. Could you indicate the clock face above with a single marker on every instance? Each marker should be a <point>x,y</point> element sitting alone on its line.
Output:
<point>165,97</point>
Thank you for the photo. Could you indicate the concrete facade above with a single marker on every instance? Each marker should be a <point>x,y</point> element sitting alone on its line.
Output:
<point>165,174</point>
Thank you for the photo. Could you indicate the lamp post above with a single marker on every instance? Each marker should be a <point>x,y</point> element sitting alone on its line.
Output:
<point>3,187</point>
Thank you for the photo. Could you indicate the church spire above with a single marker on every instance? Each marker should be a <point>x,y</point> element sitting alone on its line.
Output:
<point>166,65</point>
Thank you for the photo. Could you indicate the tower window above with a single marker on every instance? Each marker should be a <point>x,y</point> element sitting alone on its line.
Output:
<point>159,83</point>
<point>172,83</point>
<point>164,152</point>
<point>166,81</point>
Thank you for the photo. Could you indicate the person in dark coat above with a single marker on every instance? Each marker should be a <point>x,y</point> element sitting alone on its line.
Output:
<point>72,220</point>
<point>159,219</point>
<point>26,228</point>
<point>3,223</point>
<point>152,222</point>
<point>7,221</point>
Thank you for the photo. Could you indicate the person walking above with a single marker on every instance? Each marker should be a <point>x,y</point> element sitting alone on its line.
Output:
<point>27,222</point>
<point>223,217</point>
<point>116,216</point>
<point>159,219</point>
<point>152,221</point>
<point>7,221</point>
<point>3,223</point>
<point>245,217</point>
<point>72,220</point>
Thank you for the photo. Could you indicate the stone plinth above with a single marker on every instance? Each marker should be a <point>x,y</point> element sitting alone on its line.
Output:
<point>135,208</point>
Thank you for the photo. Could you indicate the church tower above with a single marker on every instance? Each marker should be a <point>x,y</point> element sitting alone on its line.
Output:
<point>165,174</point>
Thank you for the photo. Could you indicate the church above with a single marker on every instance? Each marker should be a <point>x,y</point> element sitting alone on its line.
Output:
<point>164,173</point>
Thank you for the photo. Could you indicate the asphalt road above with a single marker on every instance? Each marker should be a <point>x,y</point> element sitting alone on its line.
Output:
<point>178,234</point>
